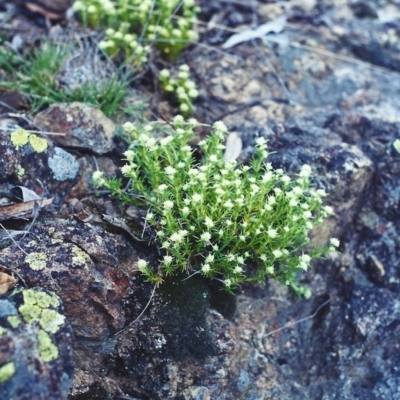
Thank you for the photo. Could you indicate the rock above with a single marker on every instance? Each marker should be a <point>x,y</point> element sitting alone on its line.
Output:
<point>84,127</point>
<point>31,160</point>
<point>36,342</point>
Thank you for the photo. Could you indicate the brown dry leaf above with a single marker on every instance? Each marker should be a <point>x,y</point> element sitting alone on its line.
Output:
<point>52,9</point>
<point>17,210</point>
<point>7,282</point>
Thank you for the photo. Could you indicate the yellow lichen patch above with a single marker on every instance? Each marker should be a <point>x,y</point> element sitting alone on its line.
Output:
<point>36,261</point>
<point>51,320</point>
<point>2,330</point>
<point>20,170</point>
<point>38,144</point>
<point>14,321</point>
<point>30,313</point>
<point>81,257</point>
<point>7,371</point>
<point>46,348</point>
<point>19,137</point>
<point>36,309</point>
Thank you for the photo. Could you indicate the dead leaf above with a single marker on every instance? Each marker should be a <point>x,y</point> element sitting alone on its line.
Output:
<point>275,26</point>
<point>18,210</point>
<point>7,282</point>
<point>24,194</point>
<point>233,147</point>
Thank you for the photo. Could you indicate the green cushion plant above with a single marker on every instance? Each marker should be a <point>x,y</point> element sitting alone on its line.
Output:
<point>222,220</point>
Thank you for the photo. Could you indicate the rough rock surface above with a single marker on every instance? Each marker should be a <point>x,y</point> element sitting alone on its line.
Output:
<point>46,169</point>
<point>36,346</point>
<point>326,92</point>
<point>84,127</point>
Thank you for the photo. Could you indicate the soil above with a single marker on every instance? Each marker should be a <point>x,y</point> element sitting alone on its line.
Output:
<point>324,89</point>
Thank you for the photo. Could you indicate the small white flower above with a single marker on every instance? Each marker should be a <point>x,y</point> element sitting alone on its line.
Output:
<point>277,253</point>
<point>286,228</point>
<point>164,74</point>
<point>278,191</point>
<point>219,126</point>
<point>271,200</point>
<point>168,205</point>
<point>321,193</point>
<point>228,204</point>
<point>228,282</point>
<point>193,172</point>
<point>305,206</point>
<point>197,197</point>
<point>142,265</point>
<point>167,260</point>
<point>165,141</point>
<point>160,234</point>
<point>166,245</point>
<point>334,242</point>
<point>161,188</point>
<point>254,189</point>
<point>230,257</point>
<point>237,270</point>
<point>98,175</point>
<point>263,257</point>
<point>307,214</point>
<point>170,170</point>
<point>272,233</point>
<point>285,179</point>
<point>267,176</point>
<point>293,203</point>
<point>213,158</point>
<point>267,207</point>
<point>240,201</point>
<point>240,260</point>
<point>210,258</point>
<point>302,265</point>
<point>178,119</point>
<point>201,176</point>
<point>208,222</point>
<point>261,142</point>
<point>242,238</point>
<point>328,210</point>
<point>129,154</point>
<point>228,222</point>
<point>305,258</point>
<point>206,236</point>
<point>206,268</point>
<point>270,270</point>
<point>176,237</point>
<point>150,216</point>
<point>185,210</point>
<point>297,190</point>
<point>305,171</point>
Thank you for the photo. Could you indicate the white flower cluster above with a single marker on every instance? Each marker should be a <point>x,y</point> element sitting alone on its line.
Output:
<point>155,21</point>
<point>215,217</point>
<point>119,39</point>
<point>183,88</point>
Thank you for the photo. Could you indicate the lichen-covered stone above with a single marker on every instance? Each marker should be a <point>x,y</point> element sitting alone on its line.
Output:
<point>36,342</point>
